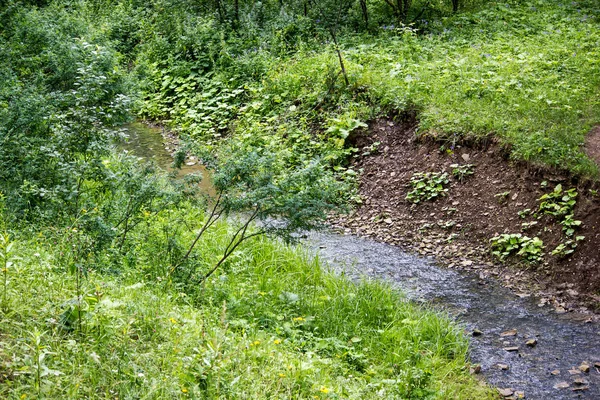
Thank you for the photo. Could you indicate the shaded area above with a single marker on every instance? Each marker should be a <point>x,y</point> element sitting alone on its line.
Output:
<point>563,342</point>
<point>149,144</point>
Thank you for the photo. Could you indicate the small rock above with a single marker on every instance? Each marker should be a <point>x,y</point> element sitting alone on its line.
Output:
<point>503,367</point>
<point>505,392</point>
<point>476,332</point>
<point>584,368</point>
<point>514,348</point>
<point>476,369</point>
<point>531,342</point>
<point>467,157</point>
<point>561,385</point>
<point>597,364</point>
<point>555,372</point>
<point>580,381</point>
<point>574,372</point>
<point>511,332</point>
<point>467,263</point>
<point>388,221</point>
<point>580,388</point>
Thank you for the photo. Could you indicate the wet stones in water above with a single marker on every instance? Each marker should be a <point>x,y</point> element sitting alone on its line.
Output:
<point>561,385</point>
<point>584,367</point>
<point>475,369</point>
<point>531,342</point>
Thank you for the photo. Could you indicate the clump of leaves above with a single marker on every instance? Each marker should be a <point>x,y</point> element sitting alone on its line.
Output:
<point>560,204</point>
<point>427,186</point>
<point>502,197</point>
<point>462,172</point>
<point>568,247</point>
<point>508,244</point>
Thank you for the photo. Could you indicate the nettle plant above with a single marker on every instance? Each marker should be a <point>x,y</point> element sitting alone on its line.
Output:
<point>509,244</point>
<point>560,204</point>
<point>462,172</point>
<point>427,186</point>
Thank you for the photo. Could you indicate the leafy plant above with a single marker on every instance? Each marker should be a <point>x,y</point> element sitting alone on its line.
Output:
<point>568,247</point>
<point>528,249</point>
<point>461,172</point>
<point>427,186</point>
<point>502,197</point>
<point>558,203</point>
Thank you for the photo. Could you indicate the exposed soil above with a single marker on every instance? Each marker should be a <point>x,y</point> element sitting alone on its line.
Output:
<point>456,229</point>
<point>592,145</point>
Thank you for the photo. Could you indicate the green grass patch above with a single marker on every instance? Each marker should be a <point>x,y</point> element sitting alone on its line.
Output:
<point>272,324</point>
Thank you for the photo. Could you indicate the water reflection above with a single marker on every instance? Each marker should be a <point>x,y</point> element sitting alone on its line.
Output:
<point>148,143</point>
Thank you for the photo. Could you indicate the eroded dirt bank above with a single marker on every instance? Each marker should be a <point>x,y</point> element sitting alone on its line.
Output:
<point>457,228</point>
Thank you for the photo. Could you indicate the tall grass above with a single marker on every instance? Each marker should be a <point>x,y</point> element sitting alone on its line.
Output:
<point>272,324</point>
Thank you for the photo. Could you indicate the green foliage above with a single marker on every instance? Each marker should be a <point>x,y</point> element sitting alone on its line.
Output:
<point>568,247</point>
<point>559,203</point>
<point>461,172</point>
<point>528,249</point>
<point>295,329</point>
<point>427,186</point>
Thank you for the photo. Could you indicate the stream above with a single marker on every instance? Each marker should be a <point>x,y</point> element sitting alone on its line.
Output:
<point>547,369</point>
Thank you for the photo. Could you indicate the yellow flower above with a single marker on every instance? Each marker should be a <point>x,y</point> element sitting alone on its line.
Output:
<point>173,320</point>
<point>281,375</point>
<point>255,343</point>
<point>262,293</point>
<point>298,319</point>
<point>324,390</point>
<point>23,396</point>
<point>277,341</point>
<point>184,390</point>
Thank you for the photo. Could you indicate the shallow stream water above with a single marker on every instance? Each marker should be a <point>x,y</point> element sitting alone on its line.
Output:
<point>563,343</point>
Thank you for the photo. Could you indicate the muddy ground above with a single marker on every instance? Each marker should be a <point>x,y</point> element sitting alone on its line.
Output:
<point>456,229</point>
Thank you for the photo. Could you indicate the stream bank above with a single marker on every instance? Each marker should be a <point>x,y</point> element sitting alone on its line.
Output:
<point>496,197</point>
<point>500,323</point>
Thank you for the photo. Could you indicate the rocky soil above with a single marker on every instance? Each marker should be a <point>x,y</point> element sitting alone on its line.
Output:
<point>456,229</point>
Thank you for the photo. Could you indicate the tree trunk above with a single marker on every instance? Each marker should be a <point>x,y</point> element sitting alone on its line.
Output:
<point>365,12</point>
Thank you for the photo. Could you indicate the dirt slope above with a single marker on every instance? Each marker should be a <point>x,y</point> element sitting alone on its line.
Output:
<point>457,228</point>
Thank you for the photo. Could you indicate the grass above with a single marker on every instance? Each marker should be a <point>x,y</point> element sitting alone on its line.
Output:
<point>525,74</point>
<point>272,324</point>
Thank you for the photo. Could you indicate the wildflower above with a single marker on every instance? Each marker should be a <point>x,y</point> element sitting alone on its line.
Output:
<point>281,375</point>
<point>173,320</point>
<point>184,390</point>
<point>255,343</point>
<point>277,341</point>
<point>262,293</point>
<point>298,319</point>
<point>324,390</point>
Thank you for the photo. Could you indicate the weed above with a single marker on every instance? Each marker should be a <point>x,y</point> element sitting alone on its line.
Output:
<point>502,197</point>
<point>525,213</point>
<point>427,186</point>
<point>528,249</point>
<point>568,247</point>
<point>462,172</point>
